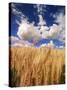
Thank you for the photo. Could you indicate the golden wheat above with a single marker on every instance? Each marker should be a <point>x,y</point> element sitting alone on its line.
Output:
<point>37,66</point>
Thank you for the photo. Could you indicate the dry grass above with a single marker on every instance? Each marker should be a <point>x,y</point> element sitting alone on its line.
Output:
<point>36,66</point>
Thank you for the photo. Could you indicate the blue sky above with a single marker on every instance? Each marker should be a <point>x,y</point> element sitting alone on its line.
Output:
<point>49,17</point>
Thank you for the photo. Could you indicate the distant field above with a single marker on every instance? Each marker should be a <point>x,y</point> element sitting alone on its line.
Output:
<point>31,66</point>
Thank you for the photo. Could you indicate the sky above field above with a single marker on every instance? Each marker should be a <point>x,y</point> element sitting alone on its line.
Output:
<point>37,25</point>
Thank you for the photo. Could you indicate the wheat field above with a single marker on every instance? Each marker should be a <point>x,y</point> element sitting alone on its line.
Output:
<point>30,66</point>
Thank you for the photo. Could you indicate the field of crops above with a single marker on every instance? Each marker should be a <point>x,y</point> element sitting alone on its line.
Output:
<point>29,66</point>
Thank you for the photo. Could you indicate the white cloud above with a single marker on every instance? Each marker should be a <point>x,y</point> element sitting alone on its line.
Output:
<point>28,32</point>
<point>43,45</point>
<point>17,45</point>
<point>15,41</point>
<point>16,12</point>
<point>43,31</point>
<point>49,32</point>
<point>40,8</point>
<point>41,20</point>
<point>60,19</point>
<point>54,31</point>
<point>61,46</point>
<point>50,44</point>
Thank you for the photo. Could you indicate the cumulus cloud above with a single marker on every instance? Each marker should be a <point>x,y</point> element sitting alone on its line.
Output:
<point>61,47</point>
<point>15,41</point>
<point>60,19</point>
<point>28,32</point>
<point>43,45</point>
<point>56,30</point>
<point>49,32</point>
<point>50,44</point>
